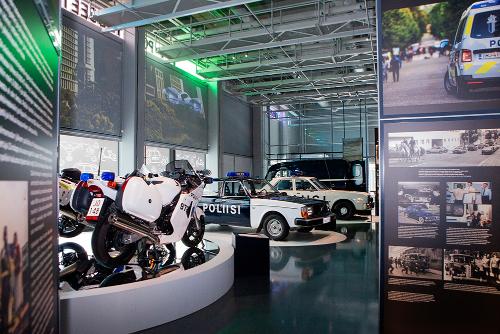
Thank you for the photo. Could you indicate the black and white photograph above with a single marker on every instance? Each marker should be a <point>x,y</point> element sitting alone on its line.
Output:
<point>472,266</point>
<point>452,148</point>
<point>469,203</point>
<point>13,256</point>
<point>415,262</point>
<point>418,203</point>
<point>441,56</point>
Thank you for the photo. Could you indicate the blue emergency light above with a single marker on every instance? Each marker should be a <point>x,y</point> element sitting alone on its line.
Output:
<point>86,176</point>
<point>108,176</point>
<point>233,174</point>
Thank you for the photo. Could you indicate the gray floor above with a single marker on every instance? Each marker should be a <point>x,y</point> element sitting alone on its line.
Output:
<point>314,289</point>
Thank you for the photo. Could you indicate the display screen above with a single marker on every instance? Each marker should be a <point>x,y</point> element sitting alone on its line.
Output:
<point>91,79</point>
<point>175,107</point>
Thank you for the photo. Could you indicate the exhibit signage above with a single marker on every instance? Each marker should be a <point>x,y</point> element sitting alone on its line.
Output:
<point>28,160</point>
<point>440,139</point>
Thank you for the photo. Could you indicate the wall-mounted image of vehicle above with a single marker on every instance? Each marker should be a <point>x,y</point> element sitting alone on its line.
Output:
<point>459,150</point>
<point>182,98</point>
<point>422,214</point>
<point>488,150</point>
<point>459,267</point>
<point>415,262</point>
<point>474,60</point>
<point>437,149</point>
<point>344,203</point>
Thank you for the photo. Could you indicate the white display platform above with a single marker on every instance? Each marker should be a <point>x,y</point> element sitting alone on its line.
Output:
<point>136,306</point>
<point>294,239</point>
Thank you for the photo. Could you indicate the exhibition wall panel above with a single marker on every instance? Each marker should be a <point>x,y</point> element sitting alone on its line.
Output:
<point>91,78</point>
<point>175,106</point>
<point>440,130</point>
<point>236,116</point>
<point>29,56</point>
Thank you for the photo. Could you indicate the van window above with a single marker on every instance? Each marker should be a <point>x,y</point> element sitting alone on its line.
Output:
<point>486,25</point>
<point>460,31</point>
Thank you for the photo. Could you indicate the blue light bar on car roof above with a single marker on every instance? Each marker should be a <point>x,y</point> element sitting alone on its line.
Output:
<point>483,4</point>
<point>233,174</point>
<point>86,176</point>
<point>108,176</point>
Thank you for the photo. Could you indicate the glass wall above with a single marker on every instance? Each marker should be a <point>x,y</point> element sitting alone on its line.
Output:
<point>86,154</point>
<point>315,131</point>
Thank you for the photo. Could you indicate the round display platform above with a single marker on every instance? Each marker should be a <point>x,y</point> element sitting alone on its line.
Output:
<point>144,304</point>
<point>294,239</point>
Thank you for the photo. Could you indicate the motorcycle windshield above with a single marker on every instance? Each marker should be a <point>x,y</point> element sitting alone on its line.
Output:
<point>177,168</point>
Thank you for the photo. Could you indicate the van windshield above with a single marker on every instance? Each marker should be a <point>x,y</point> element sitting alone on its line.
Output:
<point>486,25</point>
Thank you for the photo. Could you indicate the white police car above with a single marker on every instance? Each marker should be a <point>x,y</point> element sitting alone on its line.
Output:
<point>344,203</point>
<point>475,55</point>
<point>240,200</point>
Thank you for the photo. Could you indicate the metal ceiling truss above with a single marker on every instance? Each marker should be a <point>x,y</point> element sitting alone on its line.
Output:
<point>269,52</point>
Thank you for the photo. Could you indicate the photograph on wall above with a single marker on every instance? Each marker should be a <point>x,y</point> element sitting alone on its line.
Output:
<point>453,148</point>
<point>469,204</point>
<point>176,107</point>
<point>441,57</point>
<point>14,296</point>
<point>418,203</point>
<point>472,267</point>
<point>415,262</point>
<point>91,79</point>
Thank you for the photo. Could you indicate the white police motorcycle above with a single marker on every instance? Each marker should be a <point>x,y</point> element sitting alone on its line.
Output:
<point>149,212</point>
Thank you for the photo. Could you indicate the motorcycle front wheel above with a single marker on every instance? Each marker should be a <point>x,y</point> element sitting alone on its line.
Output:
<point>107,245</point>
<point>69,228</point>
<point>194,234</point>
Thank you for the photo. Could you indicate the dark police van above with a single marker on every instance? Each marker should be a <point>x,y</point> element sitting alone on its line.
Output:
<point>336,173</point>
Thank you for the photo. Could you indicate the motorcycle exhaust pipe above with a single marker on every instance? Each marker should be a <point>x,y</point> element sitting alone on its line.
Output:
<point>70,214</point>
<point>122,222</point>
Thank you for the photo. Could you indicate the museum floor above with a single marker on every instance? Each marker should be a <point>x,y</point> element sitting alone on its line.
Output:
<point>313,289</point>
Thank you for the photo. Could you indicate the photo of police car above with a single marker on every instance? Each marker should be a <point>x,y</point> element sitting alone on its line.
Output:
<point>475,57</point>
<point>239,200</point>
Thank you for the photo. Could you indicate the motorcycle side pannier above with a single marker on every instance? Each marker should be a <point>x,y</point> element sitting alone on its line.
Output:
<point>81,199</point>
<point>138,199</point>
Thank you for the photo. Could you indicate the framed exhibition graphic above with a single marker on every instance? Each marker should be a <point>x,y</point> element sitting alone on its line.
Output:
<point>439,79</point>
<point>29,51</point>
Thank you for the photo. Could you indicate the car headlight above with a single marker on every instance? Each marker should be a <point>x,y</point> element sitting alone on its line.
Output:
<point>306,212</point>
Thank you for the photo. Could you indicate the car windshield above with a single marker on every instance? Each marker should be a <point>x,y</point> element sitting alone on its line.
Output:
<point>486,25</point>
<point>318,184</point>
<point>258,187</point>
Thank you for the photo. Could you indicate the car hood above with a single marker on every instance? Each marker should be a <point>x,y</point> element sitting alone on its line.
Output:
<point>283,200</point>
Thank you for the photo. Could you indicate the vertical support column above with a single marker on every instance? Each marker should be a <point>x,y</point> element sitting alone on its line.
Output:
<point>258,141</point>
<point>132,144</point>
<point>214,156</point>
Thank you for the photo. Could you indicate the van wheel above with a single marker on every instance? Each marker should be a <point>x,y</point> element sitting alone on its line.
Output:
<point>344,230</point>
<point>276,227</point>
<point>462,89</point>
<point>343,209</point>
<point>447,84</point>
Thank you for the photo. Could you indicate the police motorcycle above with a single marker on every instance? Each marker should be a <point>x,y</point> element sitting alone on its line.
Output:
<point>70,223</point>
<point>149,213</point>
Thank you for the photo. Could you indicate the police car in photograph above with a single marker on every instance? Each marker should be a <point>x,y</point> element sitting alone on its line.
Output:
<point>343,203</point>
<point>475,56</point>
<point>240,200</point>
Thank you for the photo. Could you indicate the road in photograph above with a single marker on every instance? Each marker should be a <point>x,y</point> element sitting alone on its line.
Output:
<point>469,158</point>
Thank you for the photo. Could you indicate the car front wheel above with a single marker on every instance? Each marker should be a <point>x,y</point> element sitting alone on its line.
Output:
<point>276,227</point>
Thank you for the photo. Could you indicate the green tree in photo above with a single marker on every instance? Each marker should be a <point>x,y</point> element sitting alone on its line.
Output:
<point>400,28</point>
<point>445,17</point>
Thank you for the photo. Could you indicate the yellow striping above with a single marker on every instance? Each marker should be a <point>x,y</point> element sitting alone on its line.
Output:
<point>467,66</point>
<point>486,67</point>
<point>468,25</point>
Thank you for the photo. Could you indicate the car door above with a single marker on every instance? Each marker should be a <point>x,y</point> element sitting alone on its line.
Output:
<point>304,188</point>
<point>233,208</point>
